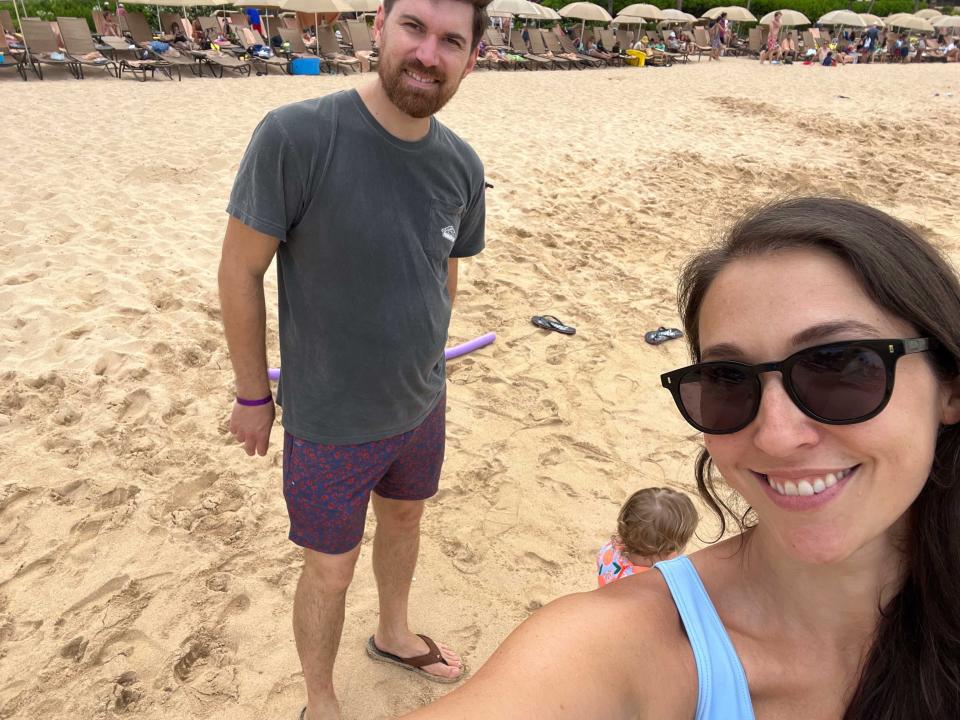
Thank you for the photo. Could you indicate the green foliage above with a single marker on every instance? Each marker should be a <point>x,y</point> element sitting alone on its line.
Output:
<point>52,9</point>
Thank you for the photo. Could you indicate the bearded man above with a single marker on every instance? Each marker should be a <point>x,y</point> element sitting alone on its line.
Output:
<point>367,201</point>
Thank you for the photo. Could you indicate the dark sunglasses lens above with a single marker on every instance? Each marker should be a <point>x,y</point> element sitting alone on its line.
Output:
<point>719,398</point>
<point>840,383</point>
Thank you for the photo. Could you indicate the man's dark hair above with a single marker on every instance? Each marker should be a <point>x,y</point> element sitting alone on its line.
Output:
<point>479,16</point>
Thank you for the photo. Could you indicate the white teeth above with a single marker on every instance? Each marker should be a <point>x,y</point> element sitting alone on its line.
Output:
<point>806,488</point>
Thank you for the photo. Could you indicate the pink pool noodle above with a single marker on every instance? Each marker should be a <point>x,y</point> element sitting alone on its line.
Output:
<point>450,353</point>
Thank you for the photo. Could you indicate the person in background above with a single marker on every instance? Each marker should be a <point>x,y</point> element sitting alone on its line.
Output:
<point>654,524</point>
<point>253,17</point>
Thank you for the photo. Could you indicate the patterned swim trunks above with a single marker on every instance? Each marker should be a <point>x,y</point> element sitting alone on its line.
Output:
<point>327,487</point>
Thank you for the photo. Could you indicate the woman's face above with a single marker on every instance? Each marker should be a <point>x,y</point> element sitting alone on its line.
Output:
<point>763,309</point>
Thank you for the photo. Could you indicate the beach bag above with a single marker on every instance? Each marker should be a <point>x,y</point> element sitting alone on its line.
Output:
<point>159,47</point>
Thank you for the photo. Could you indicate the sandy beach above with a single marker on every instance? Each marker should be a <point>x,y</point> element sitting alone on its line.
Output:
<point>144,564</point>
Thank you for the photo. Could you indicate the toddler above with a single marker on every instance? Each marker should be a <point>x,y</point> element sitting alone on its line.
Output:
<point>654,524</point>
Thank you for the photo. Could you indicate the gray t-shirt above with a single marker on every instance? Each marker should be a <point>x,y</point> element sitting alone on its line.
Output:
<point>366,223</point>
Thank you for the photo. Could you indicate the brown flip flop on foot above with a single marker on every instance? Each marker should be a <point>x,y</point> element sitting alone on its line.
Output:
<point>416,664</point>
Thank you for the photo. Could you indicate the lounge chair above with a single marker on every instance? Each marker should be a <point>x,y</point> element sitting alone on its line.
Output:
<point>79,46</point>
<point>609,42</point>
<point>16,61</point>
<point>677,55</point>
<point>248,36</point>
<point>330,50</point>
<point>167,20</point>
<point>552,43</point>
<point>520,48</point>
<point>295,47</point>
<point>211,29</point>
<point>495,40</point>
<point>44,48</point>
<point>6,22</point>
<point>362,45</point>
<point>701,41</point>
<point>539,47</point>
<point>137,60</point>
<point>566,44</point>
<point>175,58</point>
<point>755,41</point>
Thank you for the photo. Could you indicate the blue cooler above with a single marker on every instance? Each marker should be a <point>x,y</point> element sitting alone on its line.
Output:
<point>305,66</point>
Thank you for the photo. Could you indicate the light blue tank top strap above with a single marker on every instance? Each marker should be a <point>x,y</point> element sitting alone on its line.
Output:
<point>723,692</point>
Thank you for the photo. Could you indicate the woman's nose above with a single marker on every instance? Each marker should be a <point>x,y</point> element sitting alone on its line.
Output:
<point>780,426</point>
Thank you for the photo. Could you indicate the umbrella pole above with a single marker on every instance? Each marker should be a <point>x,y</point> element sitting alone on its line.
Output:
<point>26,48</point>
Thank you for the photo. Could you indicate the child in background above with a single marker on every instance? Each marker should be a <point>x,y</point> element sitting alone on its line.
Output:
<point>654,524</point>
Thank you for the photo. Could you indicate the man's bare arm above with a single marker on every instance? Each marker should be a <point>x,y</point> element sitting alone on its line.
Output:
<point>246,256</point>
<point>452,271</point>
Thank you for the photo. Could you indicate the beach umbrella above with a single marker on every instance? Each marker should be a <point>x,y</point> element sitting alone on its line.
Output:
<point>870,19</point>
<point>628,20</point>
<point>847,18</point>
<point>788,18</point>
<point>672,15</point>
<point>714,12</point>
<point>907,21</point>
<point>506,8</point>
<point>364,6</point>
<point>642,10</point>
<point>740,14</point>
<point>584,11</point>
<point>947,22</point>
<point>547,13</point>
<point>928,14</point>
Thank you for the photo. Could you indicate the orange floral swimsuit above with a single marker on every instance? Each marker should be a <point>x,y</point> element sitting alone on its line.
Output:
<point>613,564</point>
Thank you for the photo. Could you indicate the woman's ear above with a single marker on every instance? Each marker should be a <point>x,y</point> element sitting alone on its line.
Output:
<point>950,402</point>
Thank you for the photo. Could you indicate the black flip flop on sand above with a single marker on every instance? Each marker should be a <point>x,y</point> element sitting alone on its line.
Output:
<point>549,322</point>
<point>661,335</point>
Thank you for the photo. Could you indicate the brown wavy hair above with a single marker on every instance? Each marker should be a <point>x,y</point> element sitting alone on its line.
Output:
<point>912,669</point>
<point>479,16</point>
<point>656,521</point>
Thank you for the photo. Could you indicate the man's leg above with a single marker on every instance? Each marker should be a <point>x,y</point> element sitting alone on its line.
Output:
<point>395,547</point>
<point>317,623</point>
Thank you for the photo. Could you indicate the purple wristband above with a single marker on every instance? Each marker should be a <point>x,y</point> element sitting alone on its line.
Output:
<point>254,403</point>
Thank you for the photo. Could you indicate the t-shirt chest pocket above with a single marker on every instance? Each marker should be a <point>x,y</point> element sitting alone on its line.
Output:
<point>443,229</point>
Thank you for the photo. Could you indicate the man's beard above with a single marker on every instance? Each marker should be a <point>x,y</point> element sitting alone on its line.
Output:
<point>415,102</point>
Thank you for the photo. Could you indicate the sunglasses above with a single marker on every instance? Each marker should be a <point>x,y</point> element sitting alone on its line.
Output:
<point>839,383</point>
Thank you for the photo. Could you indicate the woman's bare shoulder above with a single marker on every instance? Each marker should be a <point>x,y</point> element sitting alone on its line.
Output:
<point>617,652</point>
